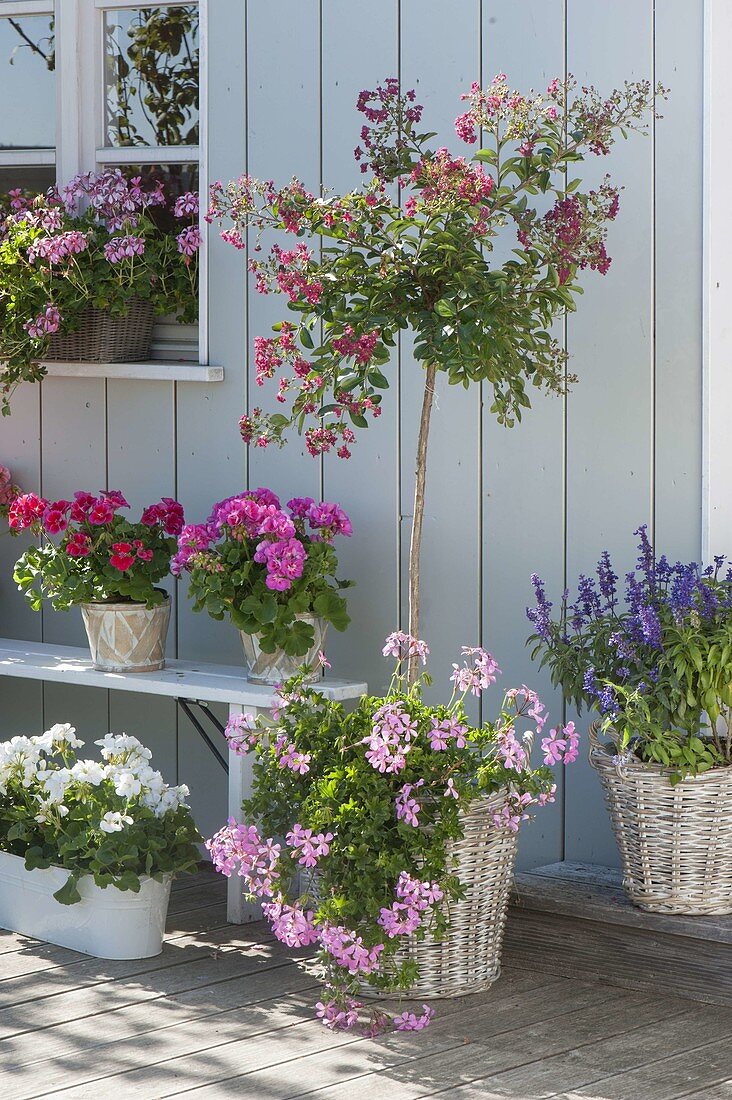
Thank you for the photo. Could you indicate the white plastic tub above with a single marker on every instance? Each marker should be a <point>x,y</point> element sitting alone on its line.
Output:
<point>107,922</point>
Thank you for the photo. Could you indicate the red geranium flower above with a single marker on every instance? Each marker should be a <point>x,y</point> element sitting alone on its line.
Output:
<point>123,556</point>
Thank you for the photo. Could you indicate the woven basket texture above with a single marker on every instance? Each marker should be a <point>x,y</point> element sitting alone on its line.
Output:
<point>101,338</point>
<point>675,841</point>
<point>468,959</point>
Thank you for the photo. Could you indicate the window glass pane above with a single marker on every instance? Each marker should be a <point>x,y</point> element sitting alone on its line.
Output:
<point>35,179</point>
<point>27,93</point>
<point>151,76</point>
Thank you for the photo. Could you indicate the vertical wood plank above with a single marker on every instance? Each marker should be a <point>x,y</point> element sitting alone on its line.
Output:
<point>367,484</point>
<point>74,456</point>
<point>211,460</point>
<point>523,466</point>
<point>21,705</point>
<point>440,57</point>
<point>284,140</point>
<point>679,65</point>
<point>610,412</point>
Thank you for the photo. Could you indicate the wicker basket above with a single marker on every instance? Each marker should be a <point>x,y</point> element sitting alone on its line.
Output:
<point>675,841</point>
<point>468,959</point>
<point>101,338</point>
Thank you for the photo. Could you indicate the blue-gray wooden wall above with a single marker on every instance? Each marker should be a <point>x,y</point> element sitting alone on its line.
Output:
<point>577,476</point>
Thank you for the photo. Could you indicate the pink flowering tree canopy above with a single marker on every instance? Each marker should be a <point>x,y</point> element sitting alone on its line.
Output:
<point>365,803</point>
<point>364,266</point>
<point>87,550</point>
<point>102,240</point>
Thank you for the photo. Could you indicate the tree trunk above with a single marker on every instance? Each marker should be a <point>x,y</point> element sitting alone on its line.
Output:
<point>415,546</point>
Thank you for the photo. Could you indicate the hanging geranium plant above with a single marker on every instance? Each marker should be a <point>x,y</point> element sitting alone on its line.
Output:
<point>380,260</point>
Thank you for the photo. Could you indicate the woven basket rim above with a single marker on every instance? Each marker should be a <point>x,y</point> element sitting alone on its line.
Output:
<point>600,755</point>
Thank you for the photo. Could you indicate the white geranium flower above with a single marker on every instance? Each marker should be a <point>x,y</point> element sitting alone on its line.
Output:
<point>63,734</point>
<point>114,822</point>
<point>115,745</point>
<point>126,783</point>
<point>88,771</point>
<point>55,782</point>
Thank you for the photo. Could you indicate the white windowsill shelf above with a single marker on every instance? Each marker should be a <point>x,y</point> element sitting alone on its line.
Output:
<point>151,371</point>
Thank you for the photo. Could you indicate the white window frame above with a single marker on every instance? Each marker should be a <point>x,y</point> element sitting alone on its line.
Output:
<point>717,395</point>
<point>27,158</point>
<point>80,120</point>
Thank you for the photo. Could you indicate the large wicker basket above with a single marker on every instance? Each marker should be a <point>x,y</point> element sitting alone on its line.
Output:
<point>101,338</point>
<point>468,959</point>
<point>675,841</point>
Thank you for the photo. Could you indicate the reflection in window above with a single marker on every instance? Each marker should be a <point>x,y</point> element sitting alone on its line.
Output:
<point>27,94</point>
<point>28,178</point>
<point>151,76</point>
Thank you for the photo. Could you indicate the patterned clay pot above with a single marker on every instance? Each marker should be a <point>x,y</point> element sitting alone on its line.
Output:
<point>273,668</point>
<point>127,637</point>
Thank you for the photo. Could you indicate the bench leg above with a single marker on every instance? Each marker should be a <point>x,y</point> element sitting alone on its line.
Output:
<point>238,909</point>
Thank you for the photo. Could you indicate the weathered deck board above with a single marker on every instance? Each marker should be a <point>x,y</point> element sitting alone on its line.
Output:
<point>226,1011</point>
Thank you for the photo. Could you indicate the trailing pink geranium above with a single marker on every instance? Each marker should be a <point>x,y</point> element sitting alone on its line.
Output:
<point>88,551</point>
<point>262,565</point>
<point>414,249</point>
<point>104,240</point>
<point>367,802</point>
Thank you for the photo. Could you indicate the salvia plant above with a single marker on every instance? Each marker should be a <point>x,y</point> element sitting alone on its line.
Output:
<point>88,551</point>
<point>653,662</point>
<point>367,803</point>
<point>113,819</point>
<point>102,240</point>
<point>382,259</point>
<point>263,565</point>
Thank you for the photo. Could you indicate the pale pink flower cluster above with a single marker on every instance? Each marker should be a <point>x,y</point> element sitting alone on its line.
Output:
<point>402,645</point>
<point>239,848</point>
<point>528,702</point>
<point>288,757</point>
<point>513,753</point>
<point>309,848</point>
<point>561,748</point>
<point>390,738</point>
<point>445,730</point>
<point>57,249</point>
<point>513,811</point>
<point>349,950</point>
<point>407,807</point>
<point>413,897</point>
<point>186,205</point>
<point>45,324</point>
<point>124,248</point>
<point>241,733</point>
<point>339,1016</point>
<point>477,673</point>
<point>409,1021</point>
<point>291,924</point>
<point>189,240</point>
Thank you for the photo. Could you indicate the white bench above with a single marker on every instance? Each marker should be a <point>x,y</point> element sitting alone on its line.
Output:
<point>191,684</point>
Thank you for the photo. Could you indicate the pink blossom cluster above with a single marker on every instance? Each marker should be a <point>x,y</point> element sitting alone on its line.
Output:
<point>514,755</point>
<point>574,230</point>
<point>339,1015</point>
<point>189,241</point>
<point>45,324</point>
<point>125,554</point>
<point>349,950</point>
<point>390,739</point>
<point>361,348</point>
<point>288,756</point>
<point>407,807</point>
<point>57,249</point>
<point>444,180</point>
<point>168,513</point>
<point>410,1021</point>
<point>186,205</point>
<point>241,732</point>
<point>278,537</point>
<point>307,847</point>
<point>561,747</point>
<point>477,673</point>
<point>520,117</point>
<point>406,913</point>
<point>118,249</point>
<point>8,491</point>
<point>528,703</point>
<point>239,848</point>
<point>392,116</point>
<point>292,924</point>
<point>447,730</point>
<point>403,646</point>
<point>513,811</point>
<point>116,199</point>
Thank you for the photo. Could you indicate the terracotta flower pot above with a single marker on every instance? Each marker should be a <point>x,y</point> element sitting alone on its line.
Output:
<point>127,637</point>
<point>274,668</point>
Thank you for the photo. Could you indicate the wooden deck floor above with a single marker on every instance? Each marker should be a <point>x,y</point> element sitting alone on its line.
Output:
<point>227,1012</point>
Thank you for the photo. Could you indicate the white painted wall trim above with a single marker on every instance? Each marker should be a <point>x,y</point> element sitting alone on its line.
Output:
<point>717,398</point>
